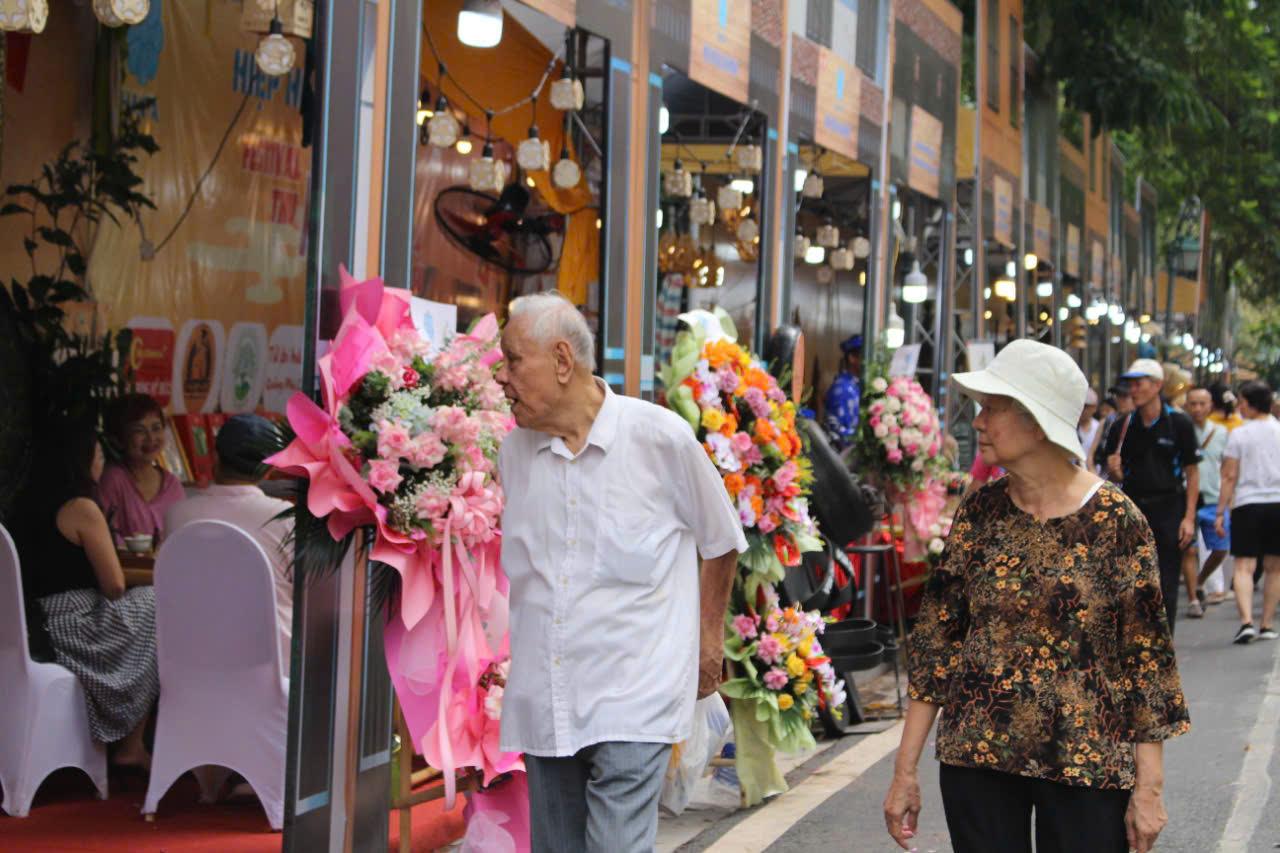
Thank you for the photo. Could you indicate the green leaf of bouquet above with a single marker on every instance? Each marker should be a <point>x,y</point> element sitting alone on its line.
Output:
<point>726,323</point>
<point>680,399</point>
<point>737,688</point>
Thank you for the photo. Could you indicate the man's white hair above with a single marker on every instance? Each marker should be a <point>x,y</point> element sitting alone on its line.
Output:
<point>554,318</point>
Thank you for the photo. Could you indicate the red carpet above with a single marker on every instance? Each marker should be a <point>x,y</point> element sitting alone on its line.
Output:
<point>68,816</point>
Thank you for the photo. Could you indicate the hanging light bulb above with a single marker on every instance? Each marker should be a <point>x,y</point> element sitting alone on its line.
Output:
<point>566,173</point>
<point>702,210</point>
<point>800,246</point>
<point>746,186</point>
<point>1188,341</point>
<point>1044,289</point>
<point>915,286</point>
<point>1030,261</point>
<point>1073,301</point>
<point>813,186</point>
<point>463,146</point>
<point>894,331</point>
<point>797,182</point>
<point>748,230</point>
<point>26,16</point>
<point>842,259</point>
<point>815,255</point>
<point>1005,289</point>
<point>664,121</point>
<point>480,23</point>
<point>1116,314</point>
<point>275,53</point>
<point>1063,313</point>
<point>486,173</point>
<point>534,154</point>
<point>659,218</point>
<point>1011,269</point>
<point>828,235</point>
<point>750,158</point>
<point>678,182</point>
<point>728,198</point>
<point>443,127</point>
<point>895,210</point>
<point>968,257</point>
<point>568,95</point>
<point>862,278</point>
<point>1132,332</point>
<point>861,247</point>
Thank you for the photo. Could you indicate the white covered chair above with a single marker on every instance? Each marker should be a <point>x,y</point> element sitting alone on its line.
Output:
<point>223,698</point>
<point>44,725</point>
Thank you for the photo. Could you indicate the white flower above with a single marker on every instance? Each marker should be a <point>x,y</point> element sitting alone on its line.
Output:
<point>892,404</point>
<point>879,385</point>
<point>917,465</point>
<point>935,530</point>
<point>881,431</point>
<point>493,703</point>
<point>889,420</point>
<point>935,546</point>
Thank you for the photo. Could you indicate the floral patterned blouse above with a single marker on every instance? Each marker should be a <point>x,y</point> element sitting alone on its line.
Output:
<point>1046,643</point>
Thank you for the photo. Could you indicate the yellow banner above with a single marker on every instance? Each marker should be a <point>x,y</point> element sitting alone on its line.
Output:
<point>218,311</point>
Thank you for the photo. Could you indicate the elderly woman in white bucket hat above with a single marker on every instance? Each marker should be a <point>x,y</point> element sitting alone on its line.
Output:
<point>1043,640</point>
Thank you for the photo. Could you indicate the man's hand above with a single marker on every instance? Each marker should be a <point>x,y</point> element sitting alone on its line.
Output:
<point>1144,818</point>
<point>710,665</point>
<point>1186,532</point>
<point>1220,525</point>
<point>1115,468</point>
<point>902,808</point>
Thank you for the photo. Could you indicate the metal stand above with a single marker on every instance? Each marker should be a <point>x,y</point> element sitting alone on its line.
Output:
<point>885,557</point>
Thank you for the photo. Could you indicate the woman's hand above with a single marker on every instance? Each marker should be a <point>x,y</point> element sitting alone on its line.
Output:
<point>1220,526</point>
<point>1144,818</point>
<point>902,807</point>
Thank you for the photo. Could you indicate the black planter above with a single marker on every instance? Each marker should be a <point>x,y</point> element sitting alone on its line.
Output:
<point>848,633</point>
<point>862,658</point>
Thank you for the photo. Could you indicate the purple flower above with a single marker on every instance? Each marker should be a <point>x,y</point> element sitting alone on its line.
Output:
<point>776,679</point>
<point>744,626</point>
<point>757,401</point>
<point>769,649</point>
<point>728,380</point>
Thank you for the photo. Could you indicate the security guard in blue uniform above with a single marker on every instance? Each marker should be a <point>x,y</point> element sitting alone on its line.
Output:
<point>844,397</point>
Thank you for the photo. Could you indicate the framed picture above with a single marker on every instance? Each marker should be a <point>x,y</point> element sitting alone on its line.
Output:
<point>173,458</point>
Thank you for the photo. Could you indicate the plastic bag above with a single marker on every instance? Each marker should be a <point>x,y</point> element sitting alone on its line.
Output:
<point>689,760</point>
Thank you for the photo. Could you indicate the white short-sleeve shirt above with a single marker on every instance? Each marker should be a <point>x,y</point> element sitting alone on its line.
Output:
<point>1256,446</point>
<point>602,553</point>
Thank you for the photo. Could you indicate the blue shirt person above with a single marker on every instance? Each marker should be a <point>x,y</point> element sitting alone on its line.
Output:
<point>844,397</point>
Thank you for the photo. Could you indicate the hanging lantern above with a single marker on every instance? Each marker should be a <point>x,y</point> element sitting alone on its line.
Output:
<point>443,127</point>
<point>702,210</point>
<point>915,285</point>
<point>120,13</point>
<point>296,16</point>
<point>687,253</point>
<point>861,247</point>
<point>534,154</point>
<point>275,53</point>
<point>567,94</point>
<point>667,252</point>
<point>800,246</point>
<point>750,158</point>
<point>678,182</point>
<point>828,236</point>
<point>728,198</point>
<point>566,173</point>
<point>825,275</point>
<point>814,186</point>
<point>748,231</point>
<point>24,16</point>
<point>487,174</point>
<point>842,259</point>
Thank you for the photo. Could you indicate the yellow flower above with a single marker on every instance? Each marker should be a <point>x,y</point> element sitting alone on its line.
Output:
<point>800,687</point>
<point>785,701</point>
<point>712,419</point>
<point>796,666</point>
<point>807,677</point>
<point>806,648</point>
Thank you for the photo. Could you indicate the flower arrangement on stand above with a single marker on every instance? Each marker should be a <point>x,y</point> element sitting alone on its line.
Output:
<point>748,428</point>
<point>404,451</point>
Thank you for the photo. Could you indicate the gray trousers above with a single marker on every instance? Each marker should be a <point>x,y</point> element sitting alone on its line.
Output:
<point>604,798</point>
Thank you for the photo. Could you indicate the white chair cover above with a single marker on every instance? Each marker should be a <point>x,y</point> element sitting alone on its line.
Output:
<point>44,725</point>
<point>223,698</point>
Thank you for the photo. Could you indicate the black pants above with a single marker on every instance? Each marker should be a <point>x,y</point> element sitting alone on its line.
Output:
<point>1165,515</point>
<point>990,812</point>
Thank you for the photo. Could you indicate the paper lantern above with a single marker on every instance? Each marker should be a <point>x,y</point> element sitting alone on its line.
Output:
<point>566,173</point>
<point>828,236</point>
<point>800,247</point>
<point>487,174</point>
<point>861,247</point>
<point>120,13</point>
<point>842,259</point>
<point>297,17</point>
<point>813,186</point>
<point>534,154</point>
<point>826,275</point>
<point>702,210</point>
<point>275,53</point>
<point>678,182</point>
<point>750,158</point>
<point>728,198</point>
<point>567,94</point>
<point>443,128</point>
<point>24,16</point>
<point>748,231</point>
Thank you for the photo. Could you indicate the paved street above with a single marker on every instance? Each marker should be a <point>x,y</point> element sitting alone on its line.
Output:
<point>1222,780</point>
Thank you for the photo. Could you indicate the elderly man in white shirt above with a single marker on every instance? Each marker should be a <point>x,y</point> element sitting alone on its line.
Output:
<point>614,631</point>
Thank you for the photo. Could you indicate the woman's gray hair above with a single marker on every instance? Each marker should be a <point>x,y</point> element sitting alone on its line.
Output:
<point>553,318</point>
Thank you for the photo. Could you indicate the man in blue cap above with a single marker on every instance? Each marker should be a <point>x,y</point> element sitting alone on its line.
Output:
<point>844,397</point>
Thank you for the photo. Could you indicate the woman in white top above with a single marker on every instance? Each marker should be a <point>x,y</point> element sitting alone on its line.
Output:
<point>1089,428</point>
<point>1251,488</point>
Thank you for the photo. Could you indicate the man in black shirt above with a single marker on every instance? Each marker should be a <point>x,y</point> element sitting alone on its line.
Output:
<point>1153,452</point>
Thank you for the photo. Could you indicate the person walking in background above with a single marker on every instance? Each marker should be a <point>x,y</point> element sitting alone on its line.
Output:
<point>844,396</point>
<point>1224,407</point>
<point>1153,453</point>
<point>614,631</point>
<point>1121,406</point>
<point>1251,490</point>
<point>1212,439</point>
<point>1042,638</point>
<point>1089,429</point>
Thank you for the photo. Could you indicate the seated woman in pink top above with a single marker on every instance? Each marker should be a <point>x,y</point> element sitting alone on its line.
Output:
<point>136,495</point>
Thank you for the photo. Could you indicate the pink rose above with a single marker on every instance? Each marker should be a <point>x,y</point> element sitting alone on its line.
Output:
<point>895,456</point>
<point>432,504</point>
<point>454,426</point>
<point>427,450</point>
<point>776,679</point>
<point>384,475</point>
<point>393,439</point>
<point>766,524</point>
<point>745,627</point>
<point>771,623</point>
<point>769,649</point>
<point>741,443</point>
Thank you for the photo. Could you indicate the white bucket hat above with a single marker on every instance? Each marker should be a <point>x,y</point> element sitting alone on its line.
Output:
<point>1044,379</point>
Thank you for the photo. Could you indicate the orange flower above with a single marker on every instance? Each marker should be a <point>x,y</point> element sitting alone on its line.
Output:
<point>730,426</point>
<point>734,483</point>
<point>764,431</point>
<point>757,505</point>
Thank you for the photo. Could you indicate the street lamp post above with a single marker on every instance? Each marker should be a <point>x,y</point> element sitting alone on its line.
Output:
<point>1180,244</point>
